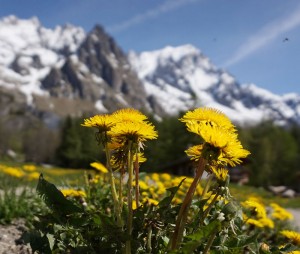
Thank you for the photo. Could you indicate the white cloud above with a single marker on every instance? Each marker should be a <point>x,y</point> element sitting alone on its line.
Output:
<point>264,36</point>
<point>165,7</point>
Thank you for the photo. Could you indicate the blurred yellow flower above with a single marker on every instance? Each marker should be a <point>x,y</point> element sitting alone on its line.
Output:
<point>257,207</point>
<point>29,167</point>
<point>293,236</point>
<point>150,201</point>
<point>99,166</point>
<point>165,177</point>
<point>33,176</point>
<point>15,172</point>
<point>73,193</point>
<point>280,213</point>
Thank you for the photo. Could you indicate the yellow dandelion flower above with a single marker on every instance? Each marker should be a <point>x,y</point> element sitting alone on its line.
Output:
<point>254,222</point>
<point>209,116</point>
<point>195,152</point>
<point>280,213</point>
<point>102,122</point>
<point>260,222</point>
<point>294,252</point>
<point>258,208</point>
<point>150,201</point>
<point>221,143</point>
<point>33,176</point>
<point>73,193</point>
<point>155,177</point>
<point>267,222</point>
<point>220,173</point>
<point>293,236</point>
<point>15,172</point>
<point>165,177</point>
<point>99,166</point>
<point>137,132</point>
<point>29,168</point>
<point>143,185</point>
<point>129,114</point>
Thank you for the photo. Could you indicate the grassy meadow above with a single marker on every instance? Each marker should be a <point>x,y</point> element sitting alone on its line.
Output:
<point>118,209</point>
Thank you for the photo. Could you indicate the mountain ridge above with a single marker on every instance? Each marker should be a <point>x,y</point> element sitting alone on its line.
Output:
<point>66,71</point>
<point>191,80</point>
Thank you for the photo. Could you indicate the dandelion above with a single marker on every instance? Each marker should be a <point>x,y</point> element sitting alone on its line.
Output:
<point>220,173</point>
<point>102,122</point>
<point>33,176</point>
<point>99,167</point>
<point>150,201</point>
<point>220,145</point>
<point>280,213</point>
<point>208,116</point>
<point>29,168</point>
<point>136,132</point>
<point>195,152</point>
<point>293,236</point>
<point>129,114</point>
<point>255,207</point>
<point>73,193</point>
<point>15,172</point>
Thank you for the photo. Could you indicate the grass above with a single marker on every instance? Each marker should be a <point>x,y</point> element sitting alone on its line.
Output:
<point>242,192</point>
<point>16,193</point>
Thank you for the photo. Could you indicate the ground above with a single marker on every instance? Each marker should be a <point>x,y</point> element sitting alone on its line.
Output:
<point>10,234</point>
<point>9,238</point>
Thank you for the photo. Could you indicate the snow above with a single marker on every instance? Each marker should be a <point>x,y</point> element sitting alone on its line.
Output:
<point>182,77</point>
<point>147,61</point>
<point>26,40</point>
<point>99,106</point>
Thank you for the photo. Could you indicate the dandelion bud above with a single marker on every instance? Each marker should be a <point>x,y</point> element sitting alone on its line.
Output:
<point>264,248</point>
<point>229,210</point>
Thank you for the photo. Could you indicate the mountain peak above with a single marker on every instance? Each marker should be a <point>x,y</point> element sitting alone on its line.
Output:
<point>15,21</point>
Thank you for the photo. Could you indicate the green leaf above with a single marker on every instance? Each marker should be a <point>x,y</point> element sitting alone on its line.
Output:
<point>51,240</point>
<point>167,200</point>
<point>54,198</point>
<point>37,241</point>
<point>198,237</point>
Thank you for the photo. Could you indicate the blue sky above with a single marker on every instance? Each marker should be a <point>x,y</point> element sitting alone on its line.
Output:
<point>244,37</point>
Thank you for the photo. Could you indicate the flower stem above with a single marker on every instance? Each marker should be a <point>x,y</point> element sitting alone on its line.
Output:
<point>207,210</point>
<point>137,187</point>
<point>210,242</point>
<point>113,187</point>
<point>149,248</point>
<point>183,212</point>
<point>129,197</point>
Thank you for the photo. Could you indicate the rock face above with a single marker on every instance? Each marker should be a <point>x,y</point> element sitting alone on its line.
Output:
<point>66,71</point>
<point>182,77</point>
<point>99,73</point>
<point>51,74</point>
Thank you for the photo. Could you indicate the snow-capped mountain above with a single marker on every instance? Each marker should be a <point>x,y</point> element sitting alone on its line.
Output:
<point>182,77</point>
<point>52,73</point>
<point>64,71</point>
<point>28,51</point>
